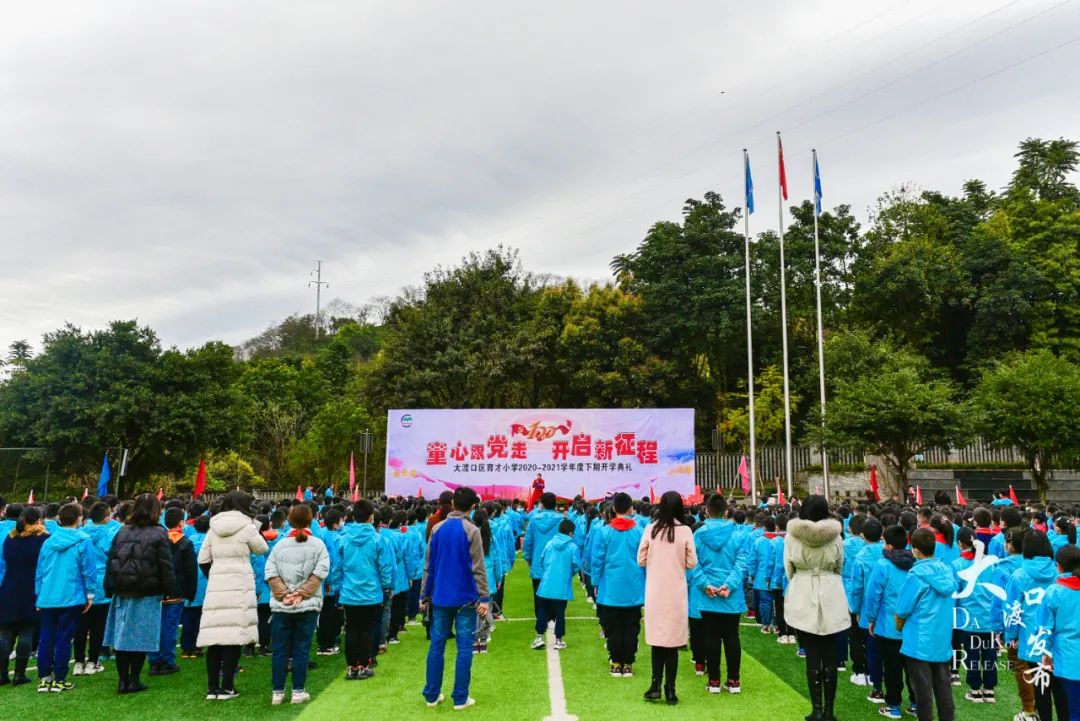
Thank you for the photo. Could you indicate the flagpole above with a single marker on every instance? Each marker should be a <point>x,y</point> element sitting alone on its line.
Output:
<point>820,331</point>
<point>784,323</point>
<point>752,461</point>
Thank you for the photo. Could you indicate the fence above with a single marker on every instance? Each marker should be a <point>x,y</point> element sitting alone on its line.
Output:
<point>978,451</point>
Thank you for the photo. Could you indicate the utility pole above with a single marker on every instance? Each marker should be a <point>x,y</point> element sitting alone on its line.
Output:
<point>318,283</point>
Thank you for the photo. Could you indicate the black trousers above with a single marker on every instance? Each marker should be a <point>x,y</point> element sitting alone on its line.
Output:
<point>697,641</point>
<point>378,622</point>
<point>329,624</point>
<point>536,601</point>
<point>397,613</point>
<point>360,633</point>
<point>498,598</point>
<point>221,664</point>
<point>822,657</point>
<point>665,665</point>
<point>931,681</point>
<point>893,664</point>
<point>91,630</point>
<point>1050,699</point>
<point>263,610</point>
<point>622,630</point>
<point>857,643</point>
<point>721,634</point>
<point>782,629</point>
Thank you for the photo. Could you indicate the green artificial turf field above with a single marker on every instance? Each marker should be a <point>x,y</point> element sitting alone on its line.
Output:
<point>509,683</point>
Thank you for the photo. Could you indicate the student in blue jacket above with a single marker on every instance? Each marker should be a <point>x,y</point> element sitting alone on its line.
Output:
<point>559,563</point>
<point>485,623</point>
<point>191,619</point>
<point>620,584</point>
<point>543,526</point>
<point>90,631</point>
<point>761,578</point>
<point>974,622</point>
<point>367,575</point>
<point>924,614</point>
<point>1060,616</point>
<point>329,632</point>
<point>716,586</point>
<point>878,611</point>
<point>1024,596</point>
<point>65,581</point>
<point>785,634</point>
<point>866,668</point>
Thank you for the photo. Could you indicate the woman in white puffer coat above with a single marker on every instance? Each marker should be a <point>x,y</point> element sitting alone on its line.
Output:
<point>230,617</point>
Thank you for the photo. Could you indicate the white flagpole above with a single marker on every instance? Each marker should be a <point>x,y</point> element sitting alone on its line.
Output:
<point>751,465</point>
<point>783,332</point>
<point>820,332</point>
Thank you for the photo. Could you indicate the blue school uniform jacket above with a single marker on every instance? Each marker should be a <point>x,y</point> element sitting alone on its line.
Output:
<point>367,566</point>
<point>946,553</point>
<point>764,562</point>
<point>852,546</point>
<point>620,581</point>
<point>973,612</point>
<point>66,569</point>
<point>779,577</point>
<point>543,526</point>
<point>997,546</point>
<point>559,562</point>
<point>722,561</point>
<point>1000,576</point>
<point>883,591</point>
<point>101,536</point>
<point>197,539</point>
<point>1060,615</point>
<point>1023,598</point>
<point>414,553</point>
<point>332,541</point>
<point>258,566</point>
<point>855,588</point>
<point>926,603</point>
<point>396,543</point>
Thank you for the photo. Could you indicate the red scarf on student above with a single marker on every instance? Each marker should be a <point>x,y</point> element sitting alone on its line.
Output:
<point>622,524</point>
<point>1070,582</point>
<point>968,555</point>
<point>299,533</point>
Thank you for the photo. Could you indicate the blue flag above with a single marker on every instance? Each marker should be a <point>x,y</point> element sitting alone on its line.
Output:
<point>817,186</point>
<point>749,187</point>
<point>104,478</point>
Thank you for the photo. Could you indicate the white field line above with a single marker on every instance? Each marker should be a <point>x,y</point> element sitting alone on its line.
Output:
<point>556,690</point>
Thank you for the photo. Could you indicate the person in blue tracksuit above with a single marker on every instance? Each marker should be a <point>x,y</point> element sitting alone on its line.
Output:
<point>493,565</point>
<point>414,566</point>
<point>543,526</point>
<point>716,583</point>
<point>329,631</point>
<point>65,582</point>
<point>974,622</point>
<point>851,642</point>
<point>879,609</point>
<point>620,584</point>
<point>367,567</point>
<point>761,581</point>
<point>262,588</point>
<point>924,611</point>
<point>1010,518</point>
<point>396,533</point>
<point>91,627</point>
<point>785,634</point>
<point>559,563</point>
<point>191,619</point>
<point>1061,533</point>
<point>1060,616</point>
<point>1024,595</point>
<point>871,670</point>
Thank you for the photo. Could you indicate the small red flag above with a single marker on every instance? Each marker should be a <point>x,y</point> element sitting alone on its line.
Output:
<point>355,495</point>
<point>200,479</point>
<point>299,494</point>
<point>779,494</point>
<point>30,500</point>
<point>783,173</point>
<point>85,492</point>
<point>352,472</point>
<point>960,500</point>
<point>419,491</point>
<point>652,495</point>
<point>1012,496</point>
<point>874,483</point>
<point>583,496</point>
<point>918,495</point>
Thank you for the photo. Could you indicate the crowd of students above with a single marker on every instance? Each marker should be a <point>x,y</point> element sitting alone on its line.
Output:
<point>912,596</point>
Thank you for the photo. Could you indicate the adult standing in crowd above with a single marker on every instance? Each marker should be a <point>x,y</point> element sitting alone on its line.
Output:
<point>18,601</point>
<point>138,574</point>
<point>666,552</point>
<point>455,587</point>
<point>816,603</point>
<point>230,618</point>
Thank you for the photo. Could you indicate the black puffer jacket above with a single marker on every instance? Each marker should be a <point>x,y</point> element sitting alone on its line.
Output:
<point>140,563</point>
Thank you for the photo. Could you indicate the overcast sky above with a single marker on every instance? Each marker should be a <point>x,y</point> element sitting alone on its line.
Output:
<point>186,163</point>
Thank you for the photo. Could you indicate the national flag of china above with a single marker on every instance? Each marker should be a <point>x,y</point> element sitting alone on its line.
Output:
<point>783,173</point>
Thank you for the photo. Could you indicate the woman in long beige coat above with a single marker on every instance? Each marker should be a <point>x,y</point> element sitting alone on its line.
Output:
<point>667,552</point>
<point>816,605</point>
<point>230,618</point>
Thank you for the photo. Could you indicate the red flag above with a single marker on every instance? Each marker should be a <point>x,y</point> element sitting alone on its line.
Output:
<point>355,495</point>
<point>85,492</point>
<point>652,495</point>
<point>1012,496</point>
<point>960,500</point>
<point>783,174</point>
<point>299,494</point>
<point>30,500</point>
<point>352,472</point>
<point>160,494</point>
<point>419,491</point>
<point>200,479</point>
<point>918,495</point>
<point>874,483</point>
<point>745,475</point>
<point>779,494</point>
<point>583,496</point>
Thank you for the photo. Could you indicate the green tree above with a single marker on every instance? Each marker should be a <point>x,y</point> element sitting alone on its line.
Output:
<point>1044,167</point>
<point>1029,401</point>
<point>768,412</point>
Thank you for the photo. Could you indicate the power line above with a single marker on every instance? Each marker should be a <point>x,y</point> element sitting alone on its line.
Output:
<point>318,283</point>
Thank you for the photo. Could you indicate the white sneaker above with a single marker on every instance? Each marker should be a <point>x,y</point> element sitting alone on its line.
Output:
<point>538,643</point>
<point>77,670</point>
<point>436,702</point>
<point>973,696</point>
<point>277,698</point>
<point>1025,717</point>
<point>462,706</point>
<point>300,697</point>
<point>559,644</point>
<point>858,679</point>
